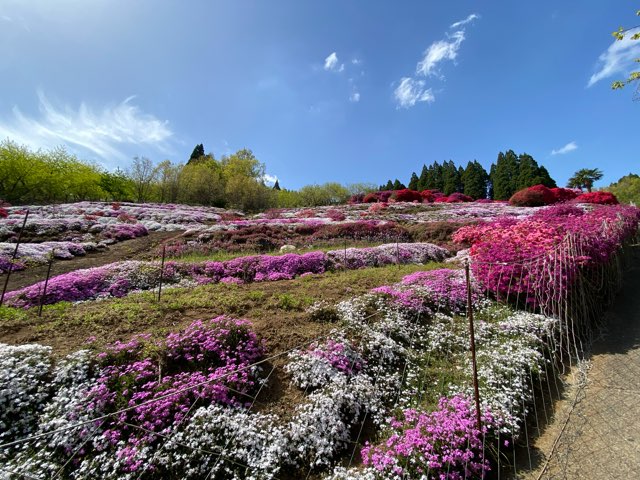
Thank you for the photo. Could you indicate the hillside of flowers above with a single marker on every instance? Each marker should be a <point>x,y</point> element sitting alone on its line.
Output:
<point>120,278</point>
<point>386,392</point>
<point>180,406</point>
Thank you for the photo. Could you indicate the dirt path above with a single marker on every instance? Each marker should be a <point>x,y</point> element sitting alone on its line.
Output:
<point>596,432</point>
<point>137,248</point>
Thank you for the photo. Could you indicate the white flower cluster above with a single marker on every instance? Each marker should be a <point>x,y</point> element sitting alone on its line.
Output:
<point>45,456</point>
<point>25,385</point>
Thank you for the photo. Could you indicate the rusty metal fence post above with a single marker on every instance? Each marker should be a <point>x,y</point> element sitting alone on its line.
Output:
<point>164,254</point>
<point>476,391</point>
<point>46,282</point>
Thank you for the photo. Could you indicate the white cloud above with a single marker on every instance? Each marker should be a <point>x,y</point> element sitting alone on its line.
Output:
<point>269,179</point>
<point>356,61</point>
<point>439,51</point>
<point>332,64</point>
<point>569,147</point>
<point>104,133</point>
<point>411,91</point>
<point>469,19</point>
<point>618,58</point>
<point>354,97</point>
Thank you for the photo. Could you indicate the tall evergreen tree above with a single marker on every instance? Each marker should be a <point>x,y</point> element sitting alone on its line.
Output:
<point>505,175</point>
<point>198,152</point>
<point>545,179</point>
<point>475,179</point>
<point>424,178</point>
<point>388,186</point>
<point>276,186</point>
<point>437,179</point>
<point>527,172</point>
<point>450,178</point>
<point>397,185</point>
<point>413,183</point>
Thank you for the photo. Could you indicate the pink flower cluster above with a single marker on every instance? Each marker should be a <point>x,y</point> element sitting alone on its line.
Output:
<point>208,362</point>
<point>536,259</point>
<point>442,290</point>
<point>445,444</point>
<point>340,356</point>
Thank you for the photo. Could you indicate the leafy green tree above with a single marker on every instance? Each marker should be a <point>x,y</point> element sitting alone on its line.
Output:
<point>585,178</point>
<point>627,189</point>
<point>143,174</point>
<point>620,35</point>
<point>414,181</point>
<point>202,183</point>
<point>116,185</point>
<point>168,181</point>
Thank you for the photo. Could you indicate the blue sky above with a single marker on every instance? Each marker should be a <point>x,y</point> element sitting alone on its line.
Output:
<point>333,90</point>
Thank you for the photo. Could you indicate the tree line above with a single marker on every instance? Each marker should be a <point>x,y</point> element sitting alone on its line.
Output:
<point>506,176</point>
<point>232,181</point>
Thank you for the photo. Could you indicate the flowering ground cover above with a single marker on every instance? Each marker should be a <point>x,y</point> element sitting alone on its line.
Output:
<point>537,259</point>
<point>364,371</point>
<point>381,388</point>
<point>120,278</point>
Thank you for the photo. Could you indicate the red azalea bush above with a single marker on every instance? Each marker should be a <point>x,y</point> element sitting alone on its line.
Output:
<point>406,195</point>
<point>115,205</point>
<point>563,194</point>
<point>457,197</point>
<point>371,198</point>
<point>536,196</point>
<point>427,196</point>
<point>3,213</point>
<point>599,198</point>
<point>357,198</point>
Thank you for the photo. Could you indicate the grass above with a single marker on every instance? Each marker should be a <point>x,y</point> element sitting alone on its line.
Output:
<point>277,309</point>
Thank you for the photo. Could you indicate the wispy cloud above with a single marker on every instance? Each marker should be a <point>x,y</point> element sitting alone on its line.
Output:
<point>461,23</point>
<point>569,147</point>
<point>411,91</point>
<point>618,58</point>
<point>105,133</point>
<point>332,64</point>
<point>438,51</point>
<point>354,97</point>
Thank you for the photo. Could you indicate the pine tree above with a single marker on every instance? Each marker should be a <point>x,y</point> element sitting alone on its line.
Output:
<point>527,172</point>
<point>424,178</point>
<point>413,183</point>
<point>545,179</point>
<point>397,185</point>
<point>276,186</point>
<point>388,186</point>
<point>505,175</point>
<point>198,152</point>
<point>436,180</point>
<point>475,179</point>
<point>450,178</point>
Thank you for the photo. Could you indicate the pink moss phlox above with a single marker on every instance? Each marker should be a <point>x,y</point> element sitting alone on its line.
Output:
<point>443,444</point>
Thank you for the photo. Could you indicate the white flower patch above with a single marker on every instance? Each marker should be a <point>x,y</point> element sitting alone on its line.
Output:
<point>25,385</point>
<point>225,441</point>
